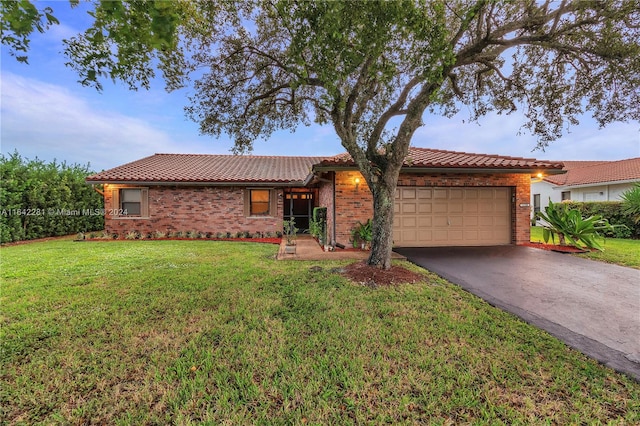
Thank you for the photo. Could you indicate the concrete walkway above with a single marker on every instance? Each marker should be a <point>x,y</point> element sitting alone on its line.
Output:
<point>308,249</point>
<point>592,306</point>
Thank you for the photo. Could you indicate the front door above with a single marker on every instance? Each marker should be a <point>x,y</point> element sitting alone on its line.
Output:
<point>299,206</point>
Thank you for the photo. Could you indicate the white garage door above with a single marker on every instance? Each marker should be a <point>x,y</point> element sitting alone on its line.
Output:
<point>432,217</point>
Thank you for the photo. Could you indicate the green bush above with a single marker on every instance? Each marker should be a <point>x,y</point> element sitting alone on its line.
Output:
<point>362,233</point>
<point>290,231</point>
<point>39,199</point>
<point>631,203</point>
<point>569,225</point>
<point>614,212</point>
<point>318,224</point>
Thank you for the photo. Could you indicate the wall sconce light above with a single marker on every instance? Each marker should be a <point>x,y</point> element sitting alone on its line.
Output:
<point>538,178</point>
<point>357,181</point>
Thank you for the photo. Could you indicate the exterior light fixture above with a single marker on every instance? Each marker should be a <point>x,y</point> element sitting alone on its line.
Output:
<point>538,177</point>
<point>357,181</point>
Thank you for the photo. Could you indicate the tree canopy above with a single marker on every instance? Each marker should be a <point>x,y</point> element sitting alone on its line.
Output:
<point>372,69</point>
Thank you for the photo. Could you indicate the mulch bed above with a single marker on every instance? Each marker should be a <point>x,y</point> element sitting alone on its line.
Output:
<point>245,240</point>
<point>37,240</point>
<point>556,248</point>
<point>371,276</point>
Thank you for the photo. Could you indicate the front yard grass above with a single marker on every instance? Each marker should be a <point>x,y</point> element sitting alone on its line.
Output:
<point>621,251</point>
<point>186,332</point>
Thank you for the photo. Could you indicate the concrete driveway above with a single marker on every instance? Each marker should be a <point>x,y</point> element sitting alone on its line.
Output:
<point>592,306</point>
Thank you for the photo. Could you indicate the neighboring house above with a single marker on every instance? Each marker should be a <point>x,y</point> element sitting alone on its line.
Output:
<point>443,198</point>
<point>586,181</point>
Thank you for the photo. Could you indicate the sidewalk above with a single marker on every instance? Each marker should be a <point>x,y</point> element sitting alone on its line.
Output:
<point>308,249</point>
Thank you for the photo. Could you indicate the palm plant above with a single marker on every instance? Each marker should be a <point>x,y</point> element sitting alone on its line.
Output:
<point>362,233</point>
<point>571,227</point>
<point>631,202</point>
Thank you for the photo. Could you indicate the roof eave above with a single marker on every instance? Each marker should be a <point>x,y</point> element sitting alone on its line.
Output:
<point>198,183</point>
<point>309,179</point>
<point>605,183</point>
<point>405,169</point>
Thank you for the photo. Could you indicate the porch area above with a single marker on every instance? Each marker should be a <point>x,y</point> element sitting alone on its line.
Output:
<point>308,249</point>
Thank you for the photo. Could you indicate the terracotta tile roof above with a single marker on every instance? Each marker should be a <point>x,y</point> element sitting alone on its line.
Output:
<point>593,172</point>
<point>440,159</point>
<point>204,168</point>
<point>200,168</point>
<point>570,164</point>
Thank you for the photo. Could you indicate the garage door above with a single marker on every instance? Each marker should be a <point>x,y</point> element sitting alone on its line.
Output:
<point>431,217</point>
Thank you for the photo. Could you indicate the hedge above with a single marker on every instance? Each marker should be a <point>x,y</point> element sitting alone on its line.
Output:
<point>40,199</point>
<point>612,211</point>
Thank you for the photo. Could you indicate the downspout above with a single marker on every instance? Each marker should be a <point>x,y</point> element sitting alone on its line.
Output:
<point>97,190</point>
<point>333,237</point>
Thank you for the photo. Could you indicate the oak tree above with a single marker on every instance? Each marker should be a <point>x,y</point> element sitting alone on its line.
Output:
<point>372,70</point>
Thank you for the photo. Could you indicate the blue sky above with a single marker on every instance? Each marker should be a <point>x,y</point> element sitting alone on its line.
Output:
<point>45,113</point>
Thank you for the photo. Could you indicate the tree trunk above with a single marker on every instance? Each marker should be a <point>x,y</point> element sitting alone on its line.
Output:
<point>381,169</point>
<point>382,243</point>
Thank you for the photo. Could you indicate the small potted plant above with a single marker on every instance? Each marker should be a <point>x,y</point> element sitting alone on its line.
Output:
<point>365,233</point>
<point>355,239</point>
<point>290,235</point>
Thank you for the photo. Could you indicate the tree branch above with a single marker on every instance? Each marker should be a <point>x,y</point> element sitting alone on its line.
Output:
<point>466,20</point>
<point>393,111</point>
<point>468,54</point>
<point>355,91</point>
<point>454,85</point>
<point>265,95</point>
<point>557,18</point>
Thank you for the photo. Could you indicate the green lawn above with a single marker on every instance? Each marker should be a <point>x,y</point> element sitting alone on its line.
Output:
<point>620,251</point>
<point>192,332</point>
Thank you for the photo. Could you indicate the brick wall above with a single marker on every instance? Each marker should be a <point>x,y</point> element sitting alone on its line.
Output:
<point>202,209</point>
<point>221,209</point>
<point>353,206</point>
<point>522,215</point>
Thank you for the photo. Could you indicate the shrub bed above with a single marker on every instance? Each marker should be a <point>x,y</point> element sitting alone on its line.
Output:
<point>268,237</point>
<point>612,211</point>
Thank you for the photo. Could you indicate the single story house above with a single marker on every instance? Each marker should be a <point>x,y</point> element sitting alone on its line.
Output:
<point>443,198</point>
<point>586,181</point>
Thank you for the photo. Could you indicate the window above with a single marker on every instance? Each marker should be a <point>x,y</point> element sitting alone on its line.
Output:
<point>259,202</point>
<point>301,196</point>
<point>566,195</point>
<point>536,203</point>
<point>593,196</point>
<point>130,202</point>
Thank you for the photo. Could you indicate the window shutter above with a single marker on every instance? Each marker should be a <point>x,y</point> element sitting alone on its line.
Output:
<point>115,202</point>
<point>247,195</point>
<point>273,207</point>
<point>144,202</point>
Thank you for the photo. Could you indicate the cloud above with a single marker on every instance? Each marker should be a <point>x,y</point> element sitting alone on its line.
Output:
<point>60,32</point>
<point>313,140</point>
<point>493,134</point>
<point>48,121</point>
<point>587,142</point>
<point>504,135</point>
